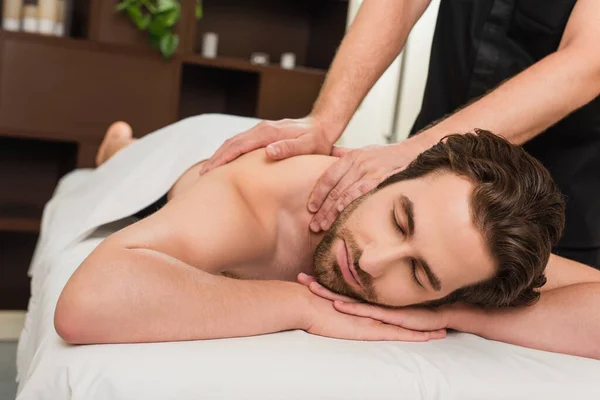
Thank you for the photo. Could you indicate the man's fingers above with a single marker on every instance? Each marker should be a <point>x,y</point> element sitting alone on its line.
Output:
<point>229,151</point>
<point>397,333</point>
<point>306,279</point>
<point>439,334</point>
<point>325,293</point>
<point>328,211</point>
<point>289,148</point>
<point>340,151</point>
<point>422,320</point>
<point>327,181</point>
<point>240,144</point>
<point>350,194</point>
<point>223,156</point>
<point>389,316</point>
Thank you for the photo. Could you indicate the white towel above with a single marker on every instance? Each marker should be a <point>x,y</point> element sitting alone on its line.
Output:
<point>131,180</point>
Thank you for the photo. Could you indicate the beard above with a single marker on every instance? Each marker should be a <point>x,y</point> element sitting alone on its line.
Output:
<point>327,270</point>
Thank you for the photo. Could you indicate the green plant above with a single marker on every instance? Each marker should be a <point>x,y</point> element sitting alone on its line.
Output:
<point>158,17</point>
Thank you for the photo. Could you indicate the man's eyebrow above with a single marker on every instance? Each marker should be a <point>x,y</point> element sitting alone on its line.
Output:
<point>409,211</point>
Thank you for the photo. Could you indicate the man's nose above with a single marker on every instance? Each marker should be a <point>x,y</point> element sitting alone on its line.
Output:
<point>376,260</point>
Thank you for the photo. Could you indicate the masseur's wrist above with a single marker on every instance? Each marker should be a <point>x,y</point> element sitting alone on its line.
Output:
<point>427,138</point>
<point>331,127</point>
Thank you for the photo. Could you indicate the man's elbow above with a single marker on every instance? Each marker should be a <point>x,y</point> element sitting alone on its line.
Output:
<point>84,308</point>
<point>73,316</point>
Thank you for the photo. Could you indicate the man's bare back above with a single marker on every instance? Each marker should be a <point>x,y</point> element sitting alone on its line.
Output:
<point>247,220</point>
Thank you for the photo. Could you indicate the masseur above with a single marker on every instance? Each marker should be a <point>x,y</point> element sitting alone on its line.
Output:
<point>527,70</point>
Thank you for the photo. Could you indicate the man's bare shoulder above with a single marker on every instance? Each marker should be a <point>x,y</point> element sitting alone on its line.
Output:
<point>255,170</point>
<point>226,216</point>
<point>208,226</point>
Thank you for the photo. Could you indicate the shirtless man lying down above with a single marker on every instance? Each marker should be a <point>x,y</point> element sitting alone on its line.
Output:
<point>463,235</point>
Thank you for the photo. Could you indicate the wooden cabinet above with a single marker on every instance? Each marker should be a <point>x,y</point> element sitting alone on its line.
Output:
<point>69,90</point>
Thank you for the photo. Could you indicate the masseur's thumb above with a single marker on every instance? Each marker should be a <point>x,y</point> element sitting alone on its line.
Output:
<point>289,148</point>
<point>340,151</point>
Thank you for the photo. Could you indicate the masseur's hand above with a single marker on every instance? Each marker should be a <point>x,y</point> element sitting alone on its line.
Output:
<point>411,319</point>
<point>356,173</point>
<point>283,139</point>
<point>326,319</point>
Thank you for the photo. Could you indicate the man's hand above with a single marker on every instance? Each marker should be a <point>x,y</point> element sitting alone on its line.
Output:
<point>284,138</point>
<point>328,318</point>
<point>356,173</point>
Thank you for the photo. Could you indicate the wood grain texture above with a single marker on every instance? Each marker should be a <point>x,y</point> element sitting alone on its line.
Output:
<point>67,89</point>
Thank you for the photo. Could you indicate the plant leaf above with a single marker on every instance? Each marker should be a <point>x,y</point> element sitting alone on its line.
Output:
<point>168,44</point>
<point>199,10</point>
<point>171,17</point>
<point>157,27</point>
<point>154,41</point>
<point>125,4</point>
<point>140,20</point>
<point>166,5</point>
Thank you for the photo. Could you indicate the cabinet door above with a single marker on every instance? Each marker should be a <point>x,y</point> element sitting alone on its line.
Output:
<point>67,89</point>
<point>287,94</point>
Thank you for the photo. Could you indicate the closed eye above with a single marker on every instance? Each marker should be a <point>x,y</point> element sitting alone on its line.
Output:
<point>413,264</point>
<point>413,267</point>
<point>396,223</point>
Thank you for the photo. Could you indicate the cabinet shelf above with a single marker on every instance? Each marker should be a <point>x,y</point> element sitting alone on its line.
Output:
<point>20,224</point>
<point>244,65</point>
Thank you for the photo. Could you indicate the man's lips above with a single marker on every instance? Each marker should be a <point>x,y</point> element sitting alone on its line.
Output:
<point>346,266</point>
<point>351,265</point>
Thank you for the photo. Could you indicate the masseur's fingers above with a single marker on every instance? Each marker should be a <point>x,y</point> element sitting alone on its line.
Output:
<point>284,138</point>
<point>353,175</point>
<point>257,137</point>
<point>328,190</point>
<point>323,219</point>
<point>340,151</point>
<point>291,147</point>
<point>351,193</point>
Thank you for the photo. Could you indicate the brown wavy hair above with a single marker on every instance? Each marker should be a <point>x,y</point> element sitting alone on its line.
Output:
<point>515,205</point>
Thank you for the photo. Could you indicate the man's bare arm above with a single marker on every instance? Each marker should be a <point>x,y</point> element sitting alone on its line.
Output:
<point>376,37</point>
<point>566,319</point>
<point>124,295</point>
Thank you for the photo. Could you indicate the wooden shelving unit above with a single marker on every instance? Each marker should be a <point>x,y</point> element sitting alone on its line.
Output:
<point>58,95</point>
<point>20,224</point>
<point>244,65</point>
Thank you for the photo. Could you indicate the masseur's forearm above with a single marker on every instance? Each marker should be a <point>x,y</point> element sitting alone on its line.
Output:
<point>565,320</point>
<point>375,38</point>
<point>541,95</point>
<point>530,102</point>
<point>138,295</point>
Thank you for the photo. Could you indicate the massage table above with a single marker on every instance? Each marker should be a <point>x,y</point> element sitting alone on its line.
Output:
<point>88,205</point>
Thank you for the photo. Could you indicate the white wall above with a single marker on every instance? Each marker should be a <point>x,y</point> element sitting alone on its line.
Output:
<point>373,121</point>
<point>414,71</point>
<point>381,117</point>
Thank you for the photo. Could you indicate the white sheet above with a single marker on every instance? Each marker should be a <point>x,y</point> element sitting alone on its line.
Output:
<point>289,365</point>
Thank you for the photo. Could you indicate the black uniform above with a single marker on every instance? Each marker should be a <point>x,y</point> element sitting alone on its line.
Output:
<point>480,43</point>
